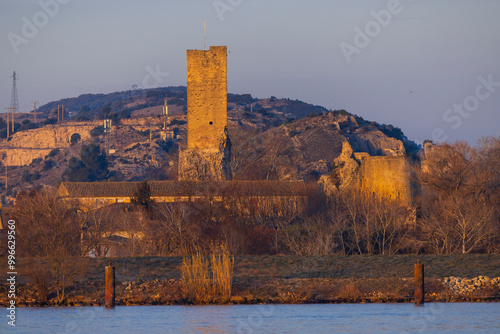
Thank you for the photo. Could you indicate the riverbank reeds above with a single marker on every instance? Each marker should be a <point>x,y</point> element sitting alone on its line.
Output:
<point>208,279</point>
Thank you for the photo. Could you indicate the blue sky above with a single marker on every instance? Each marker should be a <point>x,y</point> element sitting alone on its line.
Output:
<point>431,67</point>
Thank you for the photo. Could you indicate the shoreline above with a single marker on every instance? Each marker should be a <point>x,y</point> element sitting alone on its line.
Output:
<point>282,291</point>
<point>267,279</point>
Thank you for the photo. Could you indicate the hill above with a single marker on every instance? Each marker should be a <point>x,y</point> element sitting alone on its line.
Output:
<point>272,138</point>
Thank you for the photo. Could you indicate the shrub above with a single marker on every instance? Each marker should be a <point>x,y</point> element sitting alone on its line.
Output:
<point>26,125</point>
<point>53,153</point>
<point>84,109</point>
<point>276,122</point>
<point>50,120</point>
<point>340,112</point>
<point>48,164</point>
<point>142,195</point>
<point>92,165</point>
<point>97,131</point>
<point>177,122</point>
<point>35,161</point>
<point>82,118</point>
<point>240,98</point>
<point>26,176</point>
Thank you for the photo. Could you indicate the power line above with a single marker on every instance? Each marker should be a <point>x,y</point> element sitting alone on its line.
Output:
<point>7,118</point>
<point>34,105</point>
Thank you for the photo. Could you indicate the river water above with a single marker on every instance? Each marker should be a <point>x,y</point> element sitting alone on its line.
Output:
<point>325,318</point>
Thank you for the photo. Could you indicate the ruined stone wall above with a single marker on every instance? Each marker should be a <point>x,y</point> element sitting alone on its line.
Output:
<point>388,177</point>
<point>383,176</point>
<point>206,96</point>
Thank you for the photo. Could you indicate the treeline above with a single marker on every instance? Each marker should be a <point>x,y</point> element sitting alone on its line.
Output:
<point>457,211</point>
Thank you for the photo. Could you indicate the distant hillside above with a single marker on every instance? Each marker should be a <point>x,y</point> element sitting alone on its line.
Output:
<point>272,138</point>
<point>89,106</point>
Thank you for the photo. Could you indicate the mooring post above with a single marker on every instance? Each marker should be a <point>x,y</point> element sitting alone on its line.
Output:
<point>419,283</point>
<point>110,286</point>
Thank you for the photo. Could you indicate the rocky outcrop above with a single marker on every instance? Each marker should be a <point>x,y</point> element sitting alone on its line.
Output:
<point>464,286</point>
<point>346,168</point>
<point>201,165</point>
<point>52,136</point>
<point>206,164</point>
<point>21,157</point>
<point>376,143</point>
<point>137,158</point>
<point>24,146</point>
<point>327,184</point>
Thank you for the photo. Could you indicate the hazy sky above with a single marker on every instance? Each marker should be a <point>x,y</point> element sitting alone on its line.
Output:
<point>430,67</point>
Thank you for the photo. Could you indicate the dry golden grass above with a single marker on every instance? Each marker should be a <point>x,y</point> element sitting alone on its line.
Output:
<point>208,279</point>
<point>195,278</point>
<point>222,273</point>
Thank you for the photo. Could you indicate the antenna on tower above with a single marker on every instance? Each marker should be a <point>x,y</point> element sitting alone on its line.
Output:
<point>204,36</point>
<point>165,114</point>
<point>107,133</point>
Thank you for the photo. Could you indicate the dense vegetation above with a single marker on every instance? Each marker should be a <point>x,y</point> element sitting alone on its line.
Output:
<point>457,211</point>
<point>92,165</point>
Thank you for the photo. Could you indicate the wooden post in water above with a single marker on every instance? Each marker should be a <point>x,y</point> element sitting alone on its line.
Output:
<point>419,283</point>
<point>110,286</point>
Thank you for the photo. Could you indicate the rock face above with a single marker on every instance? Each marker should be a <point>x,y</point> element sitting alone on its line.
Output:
<point>24,146</point>
<point>347,168</point>
<point>21,157</point>
<point>376,143</point>
<point>136,158</point>
<point>53,136</point>
<point>206,164</point>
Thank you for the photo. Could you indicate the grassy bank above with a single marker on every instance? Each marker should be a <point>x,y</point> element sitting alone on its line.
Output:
<point>271,279</point>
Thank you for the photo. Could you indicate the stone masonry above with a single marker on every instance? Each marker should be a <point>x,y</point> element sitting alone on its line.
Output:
<point>206,96</point>
<point>208,150</point>
<point>383,176</point>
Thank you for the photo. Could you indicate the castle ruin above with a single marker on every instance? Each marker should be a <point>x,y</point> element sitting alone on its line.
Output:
<point>208,152</point>
<point>387,177</point>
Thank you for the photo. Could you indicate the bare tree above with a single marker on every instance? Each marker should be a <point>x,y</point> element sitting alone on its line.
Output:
<point>51,228</point>
<point>458,215</point>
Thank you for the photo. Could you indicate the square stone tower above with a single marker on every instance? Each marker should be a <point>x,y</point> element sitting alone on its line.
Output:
<point>208,152</point>
<point>206,96</point>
